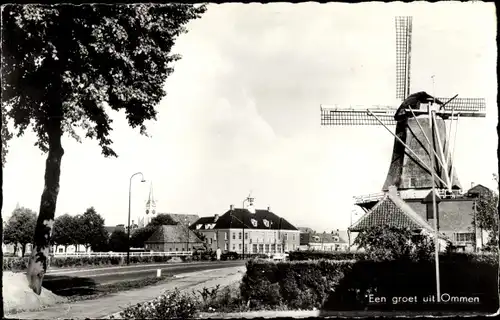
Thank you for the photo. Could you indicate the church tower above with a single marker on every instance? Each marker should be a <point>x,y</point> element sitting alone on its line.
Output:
<point>150,211</point>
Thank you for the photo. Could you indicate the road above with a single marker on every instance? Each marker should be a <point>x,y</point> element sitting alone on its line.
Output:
<point>84,282</point>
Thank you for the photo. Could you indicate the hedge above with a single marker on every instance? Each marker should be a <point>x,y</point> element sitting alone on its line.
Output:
<point>317,255</point>
<point>21,263</point>
<point>296,284</point>
<point>347,285</point>
<point>356,255</point>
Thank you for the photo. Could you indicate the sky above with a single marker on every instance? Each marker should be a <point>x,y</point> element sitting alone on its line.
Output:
<point>242,114</point>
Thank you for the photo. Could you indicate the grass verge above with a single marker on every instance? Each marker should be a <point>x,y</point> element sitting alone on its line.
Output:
<point>100,291</point>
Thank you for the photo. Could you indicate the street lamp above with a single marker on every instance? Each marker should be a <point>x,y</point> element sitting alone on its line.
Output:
<point>129,203</point>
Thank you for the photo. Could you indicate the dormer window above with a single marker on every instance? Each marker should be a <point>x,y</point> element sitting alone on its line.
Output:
<point>198,226</point>
<point>254,222</point>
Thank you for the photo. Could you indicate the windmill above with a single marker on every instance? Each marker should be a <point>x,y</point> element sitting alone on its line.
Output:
<point>422,148</point>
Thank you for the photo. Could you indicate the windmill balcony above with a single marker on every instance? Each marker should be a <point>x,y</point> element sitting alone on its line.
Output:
<point>405,194</point>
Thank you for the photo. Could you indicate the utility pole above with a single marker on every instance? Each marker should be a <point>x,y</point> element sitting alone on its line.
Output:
<point>434,209</point>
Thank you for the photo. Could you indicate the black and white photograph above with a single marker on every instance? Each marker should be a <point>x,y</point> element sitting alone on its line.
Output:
<point>249,160</point>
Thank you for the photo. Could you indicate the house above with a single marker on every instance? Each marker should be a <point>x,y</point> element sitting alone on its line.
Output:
<point>248,230</point>
<point>393,211</point>
<point>170,238</point>
<point>331,241</point>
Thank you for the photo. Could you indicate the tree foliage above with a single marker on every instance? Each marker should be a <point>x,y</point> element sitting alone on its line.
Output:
<point>66,62</point>
<point>162,219</point>
<point>20,228</point>
<point>91,231</point>
<point>389,243</point>
<point>65,231</point>
<point>118,241</point>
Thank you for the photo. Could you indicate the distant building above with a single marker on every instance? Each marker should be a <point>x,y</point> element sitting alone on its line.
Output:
<point>248,230</point>
<point>331,241</point>
<point>170,238</point>
<point>183,219</point>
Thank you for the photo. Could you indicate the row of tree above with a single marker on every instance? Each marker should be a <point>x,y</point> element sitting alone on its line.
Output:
<point>85,229</point>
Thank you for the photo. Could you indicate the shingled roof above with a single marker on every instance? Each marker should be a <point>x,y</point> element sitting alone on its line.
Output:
<point>173,234</point>
<point>392,211</point>
<point>239,218</point>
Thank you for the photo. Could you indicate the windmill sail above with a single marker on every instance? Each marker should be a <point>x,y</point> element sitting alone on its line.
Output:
<point>403,56</point>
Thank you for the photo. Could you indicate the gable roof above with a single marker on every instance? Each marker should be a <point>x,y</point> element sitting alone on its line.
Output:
<point>391,210</point>
<point>173,234</point>
<point>110,229</point>
<point>479,189</point>
<point>242,218</point>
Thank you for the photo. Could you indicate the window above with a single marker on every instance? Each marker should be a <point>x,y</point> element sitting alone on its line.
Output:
<point>60,250</point>
<point>215,236</point>
<point>234,247</point>
<point>211,240</point>
<point>239,246</point>
<point>286,236</point>
<point>261,248</point>
<point>246,235</point>
<point>176,249</point>
<point>293,237</point>
<point>246,248</point>
<point>234,235</point>
<point>225,235</point>
<point>169,249</point>
<point>239,235</point>
<point>254,248</point>
<point>462,237</point>
<point>267,248</point>
<point>225,246</point>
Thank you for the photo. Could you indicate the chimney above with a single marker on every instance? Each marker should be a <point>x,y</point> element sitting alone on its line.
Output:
<point>268,208</point>
<point>472,185</point>
<point>216,217</point>
<point>393,190</point>
<point>231,207</point>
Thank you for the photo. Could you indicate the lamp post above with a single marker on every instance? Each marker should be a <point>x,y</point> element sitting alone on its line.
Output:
<point>129,204</point>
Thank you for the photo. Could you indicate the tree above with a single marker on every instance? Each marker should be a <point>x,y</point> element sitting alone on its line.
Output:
<point>118,241</point>
<point>20,227</point>
<point>161,220</point>
<point>487,216</point>
<point>91,231</point>
<point>141,235</point>
<point>65,66</point>
<point>389,243</point>
<point>65,231</point>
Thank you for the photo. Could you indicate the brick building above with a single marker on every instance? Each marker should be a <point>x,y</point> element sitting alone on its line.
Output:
<point>254,231</point>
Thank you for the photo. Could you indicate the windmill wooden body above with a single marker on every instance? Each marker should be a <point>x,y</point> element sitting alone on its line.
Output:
<point>416,139</point>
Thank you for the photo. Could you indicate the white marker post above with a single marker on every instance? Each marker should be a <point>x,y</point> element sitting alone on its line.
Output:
<point>158,273</point>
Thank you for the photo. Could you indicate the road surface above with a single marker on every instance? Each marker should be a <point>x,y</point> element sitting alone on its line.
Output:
<point>84,282</point>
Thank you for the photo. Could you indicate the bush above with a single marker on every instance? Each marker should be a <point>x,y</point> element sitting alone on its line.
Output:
<point>460,275</point>
<point>318,255</point>
<point>297,285</point>
<point>346,285</point>
<point>172,305</point>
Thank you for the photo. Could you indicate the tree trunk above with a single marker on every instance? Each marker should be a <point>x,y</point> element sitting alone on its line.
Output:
<point>39,257</point>
<point>23,249</point>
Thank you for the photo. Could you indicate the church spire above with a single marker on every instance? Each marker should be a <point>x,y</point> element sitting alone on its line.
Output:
<point>150,206</point>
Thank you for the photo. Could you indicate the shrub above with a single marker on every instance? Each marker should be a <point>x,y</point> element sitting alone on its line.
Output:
<point>297,285</point>
<point>318,255</point>
<point>460,275</point>
<point>171,305</point>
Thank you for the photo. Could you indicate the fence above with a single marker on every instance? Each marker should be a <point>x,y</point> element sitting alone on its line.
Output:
<point>114,254</point>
